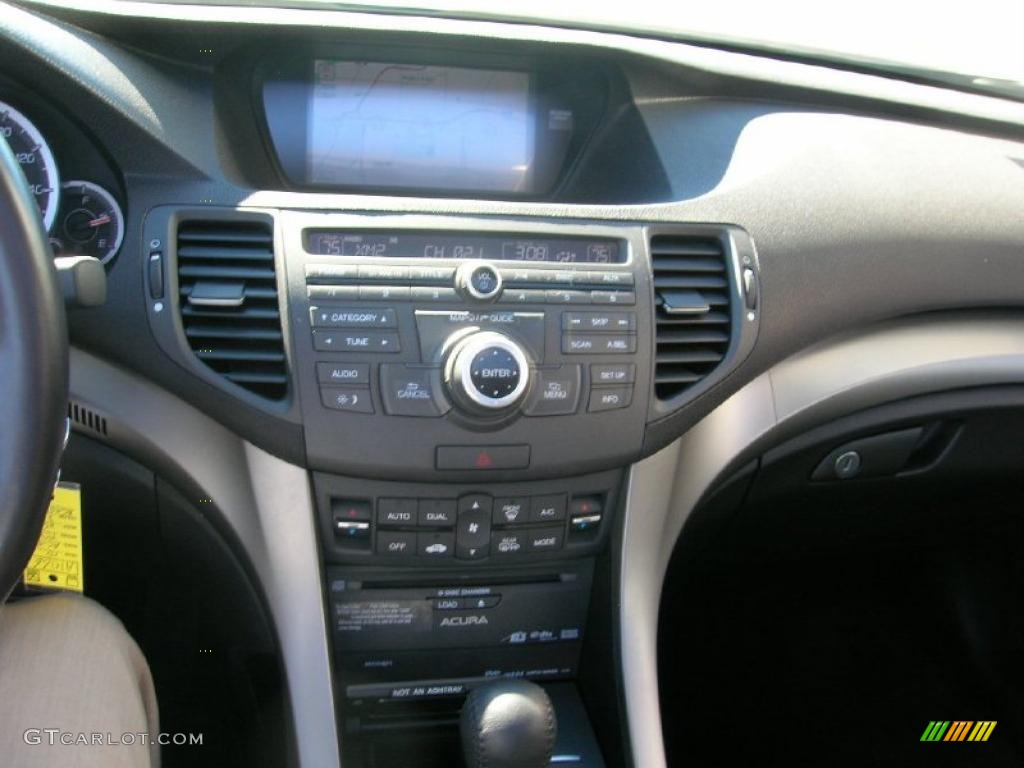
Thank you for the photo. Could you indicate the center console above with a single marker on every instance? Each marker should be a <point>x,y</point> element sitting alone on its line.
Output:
<point>469,394</point>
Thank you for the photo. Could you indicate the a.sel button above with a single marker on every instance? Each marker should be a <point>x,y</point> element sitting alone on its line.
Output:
<point>346,399</point>
<point>341,317</point>
<point>544,539</point>
<point>598,344</point>
<point>396,543</point>
<point>343,373</point>
<point>354,341</point>
<point>610,398</point>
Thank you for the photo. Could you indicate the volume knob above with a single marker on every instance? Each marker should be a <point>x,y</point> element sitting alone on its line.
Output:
<point>487,372</point>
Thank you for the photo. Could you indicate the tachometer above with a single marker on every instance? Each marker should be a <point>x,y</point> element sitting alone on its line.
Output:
<point>90,222</point>
<point>35,158</point>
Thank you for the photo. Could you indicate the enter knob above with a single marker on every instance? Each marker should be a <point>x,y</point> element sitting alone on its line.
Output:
<point>487,372</point>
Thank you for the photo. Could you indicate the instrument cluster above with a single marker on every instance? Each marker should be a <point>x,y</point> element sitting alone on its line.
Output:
<point>81,217</point>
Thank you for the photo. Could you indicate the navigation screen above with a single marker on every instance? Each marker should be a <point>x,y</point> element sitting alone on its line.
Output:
<point>375,124</point>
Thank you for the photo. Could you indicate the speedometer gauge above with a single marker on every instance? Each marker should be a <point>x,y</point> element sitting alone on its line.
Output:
<point>35,158</point>
<point>90,222</point>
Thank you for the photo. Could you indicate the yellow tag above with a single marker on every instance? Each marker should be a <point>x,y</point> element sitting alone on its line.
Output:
<point>57,561</point>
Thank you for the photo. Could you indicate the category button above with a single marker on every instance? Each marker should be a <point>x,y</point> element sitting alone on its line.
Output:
<point>609,398</point>
<point>346,399</point>
<point>343,373</point>
<point>337,317</point>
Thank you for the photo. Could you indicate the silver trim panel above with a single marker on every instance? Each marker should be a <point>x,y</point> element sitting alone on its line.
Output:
<point>267,503</point>
<point>890,362</point>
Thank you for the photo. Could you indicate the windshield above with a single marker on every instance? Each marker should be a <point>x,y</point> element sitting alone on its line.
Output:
<point>977,44</point>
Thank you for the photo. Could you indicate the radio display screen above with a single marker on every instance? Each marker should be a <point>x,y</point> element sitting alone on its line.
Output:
<point>458,245</point>
<point>387,125</point>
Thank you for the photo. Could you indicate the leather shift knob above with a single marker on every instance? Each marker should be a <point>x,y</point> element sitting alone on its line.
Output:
<point>508,724</point>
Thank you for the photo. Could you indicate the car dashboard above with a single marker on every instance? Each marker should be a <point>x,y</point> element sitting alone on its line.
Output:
<point>447,325</point>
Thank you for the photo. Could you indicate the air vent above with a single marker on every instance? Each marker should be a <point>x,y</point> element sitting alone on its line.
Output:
<point>229,308</point>
<point>693,318</point>
<point>87,418</point>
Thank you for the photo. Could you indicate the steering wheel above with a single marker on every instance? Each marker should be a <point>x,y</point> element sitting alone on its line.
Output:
<point>33,372</point>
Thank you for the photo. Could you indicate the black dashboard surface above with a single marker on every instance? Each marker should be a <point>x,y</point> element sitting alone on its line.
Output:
<point>863,205</point>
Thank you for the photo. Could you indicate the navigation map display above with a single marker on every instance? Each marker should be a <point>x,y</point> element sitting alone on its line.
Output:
<point>373,124</point>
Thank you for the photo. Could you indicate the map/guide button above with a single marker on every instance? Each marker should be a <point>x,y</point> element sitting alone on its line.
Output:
<point>346,399</point>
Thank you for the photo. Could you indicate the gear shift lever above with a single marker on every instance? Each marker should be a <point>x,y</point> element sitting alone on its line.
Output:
<point>508,724</point>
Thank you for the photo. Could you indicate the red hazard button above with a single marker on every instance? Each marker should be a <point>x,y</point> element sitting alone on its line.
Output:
<point>482,457</point>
